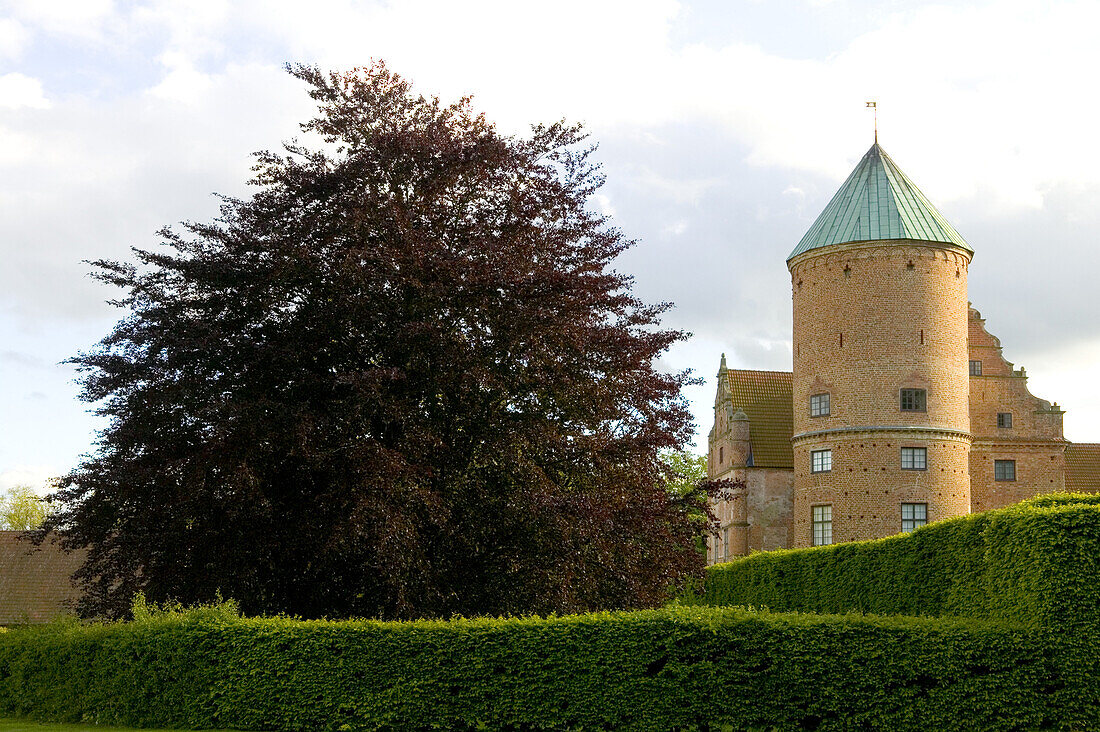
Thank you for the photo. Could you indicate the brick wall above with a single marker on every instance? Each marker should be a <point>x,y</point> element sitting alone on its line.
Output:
<point>867,484</point>
<point>869,320</point>
<point>1033,441</point>
<point>757,517</point>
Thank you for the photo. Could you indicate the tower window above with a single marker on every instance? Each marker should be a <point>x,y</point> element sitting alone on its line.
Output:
<point>1004,470</point>
<point>914,458</point>
<point>1004,420</point>
<point>821,461</point>
<point>726,543</point>
<point>823,525</point>
<point>913,515</point>
<point>721,455</point>
<point>975,368</point>
<point>819,405</point>
<point>914,400</point>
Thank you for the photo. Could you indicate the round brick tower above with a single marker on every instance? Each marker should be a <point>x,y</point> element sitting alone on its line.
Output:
<point>881,385</point>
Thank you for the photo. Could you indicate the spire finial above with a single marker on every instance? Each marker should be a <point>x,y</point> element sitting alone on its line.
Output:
<point>722,368</point>
<point>874,106</point>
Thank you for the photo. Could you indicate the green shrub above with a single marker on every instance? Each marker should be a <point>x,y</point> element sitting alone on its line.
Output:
<point>676,668</point>
<point>1060,499</point>
<point>1036,562</point>
<point>936,570</point>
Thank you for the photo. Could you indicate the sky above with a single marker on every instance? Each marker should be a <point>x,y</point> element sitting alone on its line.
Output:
<point>724,127</point>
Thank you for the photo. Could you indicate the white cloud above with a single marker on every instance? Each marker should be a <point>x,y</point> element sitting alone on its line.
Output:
<point>685,191</point>
<point>998,84</point>
<point>956,119</point>
<point>604,204</point>
<point>182,83</point>
<point>36,476</point>
<point>1067,375</point>
<point>17,91</point>
<point>95,178</point>
<point>69,17</point>
<point>13,38</point>
<point>676,228</point>
<point>982,105</point>
<point>613,64</point>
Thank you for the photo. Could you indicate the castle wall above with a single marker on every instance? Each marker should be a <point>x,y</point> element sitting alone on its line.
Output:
<point>871,319</point>
<point>1032,437</point>
<point>866,486</point>
<point>756,517</point>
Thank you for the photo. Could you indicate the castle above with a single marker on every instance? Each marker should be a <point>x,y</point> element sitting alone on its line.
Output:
<point>900,408</point>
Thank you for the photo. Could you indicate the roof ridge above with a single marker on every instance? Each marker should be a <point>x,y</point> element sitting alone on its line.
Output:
<point>765,371</point>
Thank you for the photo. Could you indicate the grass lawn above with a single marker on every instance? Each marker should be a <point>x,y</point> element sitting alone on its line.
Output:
<point>20,725</point>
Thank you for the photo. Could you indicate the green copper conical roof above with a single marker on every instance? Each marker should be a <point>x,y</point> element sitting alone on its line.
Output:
<point>878,202</point>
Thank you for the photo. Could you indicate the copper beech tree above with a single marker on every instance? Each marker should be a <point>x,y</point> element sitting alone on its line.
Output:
<point>400,380</point>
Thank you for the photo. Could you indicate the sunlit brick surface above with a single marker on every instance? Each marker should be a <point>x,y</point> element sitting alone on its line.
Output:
<point>871,319</point>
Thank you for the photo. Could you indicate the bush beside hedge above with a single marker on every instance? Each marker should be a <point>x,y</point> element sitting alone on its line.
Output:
<point>677,668</point>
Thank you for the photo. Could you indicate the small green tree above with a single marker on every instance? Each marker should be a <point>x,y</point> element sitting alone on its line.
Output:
<point>21,509</point>
<point>686,471</point>
<point>686,481</point>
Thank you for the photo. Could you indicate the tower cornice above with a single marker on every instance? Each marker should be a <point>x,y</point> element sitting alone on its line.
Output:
<point>871,247</point>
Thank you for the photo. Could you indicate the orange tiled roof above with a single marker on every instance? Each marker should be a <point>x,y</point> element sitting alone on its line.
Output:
<point>1083,467</point>
<point>765,396</point>
<point>34,581</point>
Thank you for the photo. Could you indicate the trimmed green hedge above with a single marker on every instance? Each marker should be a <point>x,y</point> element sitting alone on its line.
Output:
<point>1014,645</point>
<point>936,570</point>
<point>1037,562</point>
<point>1061,499</point>
<point>677,668</point>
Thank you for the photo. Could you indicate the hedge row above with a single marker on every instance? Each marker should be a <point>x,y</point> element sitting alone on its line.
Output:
<point>1036,562</point>
<point>1022,656</point>
<point>676,668</point>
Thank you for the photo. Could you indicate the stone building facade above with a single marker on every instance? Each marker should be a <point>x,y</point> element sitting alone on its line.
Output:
<point>900,408</point>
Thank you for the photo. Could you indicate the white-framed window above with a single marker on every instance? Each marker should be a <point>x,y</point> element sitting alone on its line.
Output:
<point>1004,470</point>
<point>913,515</point>
<point>820,406</point>
<point>821,461</point>
<point>975,368</point>
<point>914,458</point>
<point>1004,420</point>
<point>822,525</point>
<point>914,400</point>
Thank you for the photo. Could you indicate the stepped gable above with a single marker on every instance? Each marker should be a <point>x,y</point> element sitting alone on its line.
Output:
<point>765,397</point>
<point>35,585</point>
<point>1083,467</point>
<point>878,202</point>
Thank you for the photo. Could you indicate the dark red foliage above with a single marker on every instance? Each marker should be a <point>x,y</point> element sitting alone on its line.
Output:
<point>401,380</point>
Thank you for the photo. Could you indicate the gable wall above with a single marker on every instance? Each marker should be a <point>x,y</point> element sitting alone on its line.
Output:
<point>1034,441</point>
